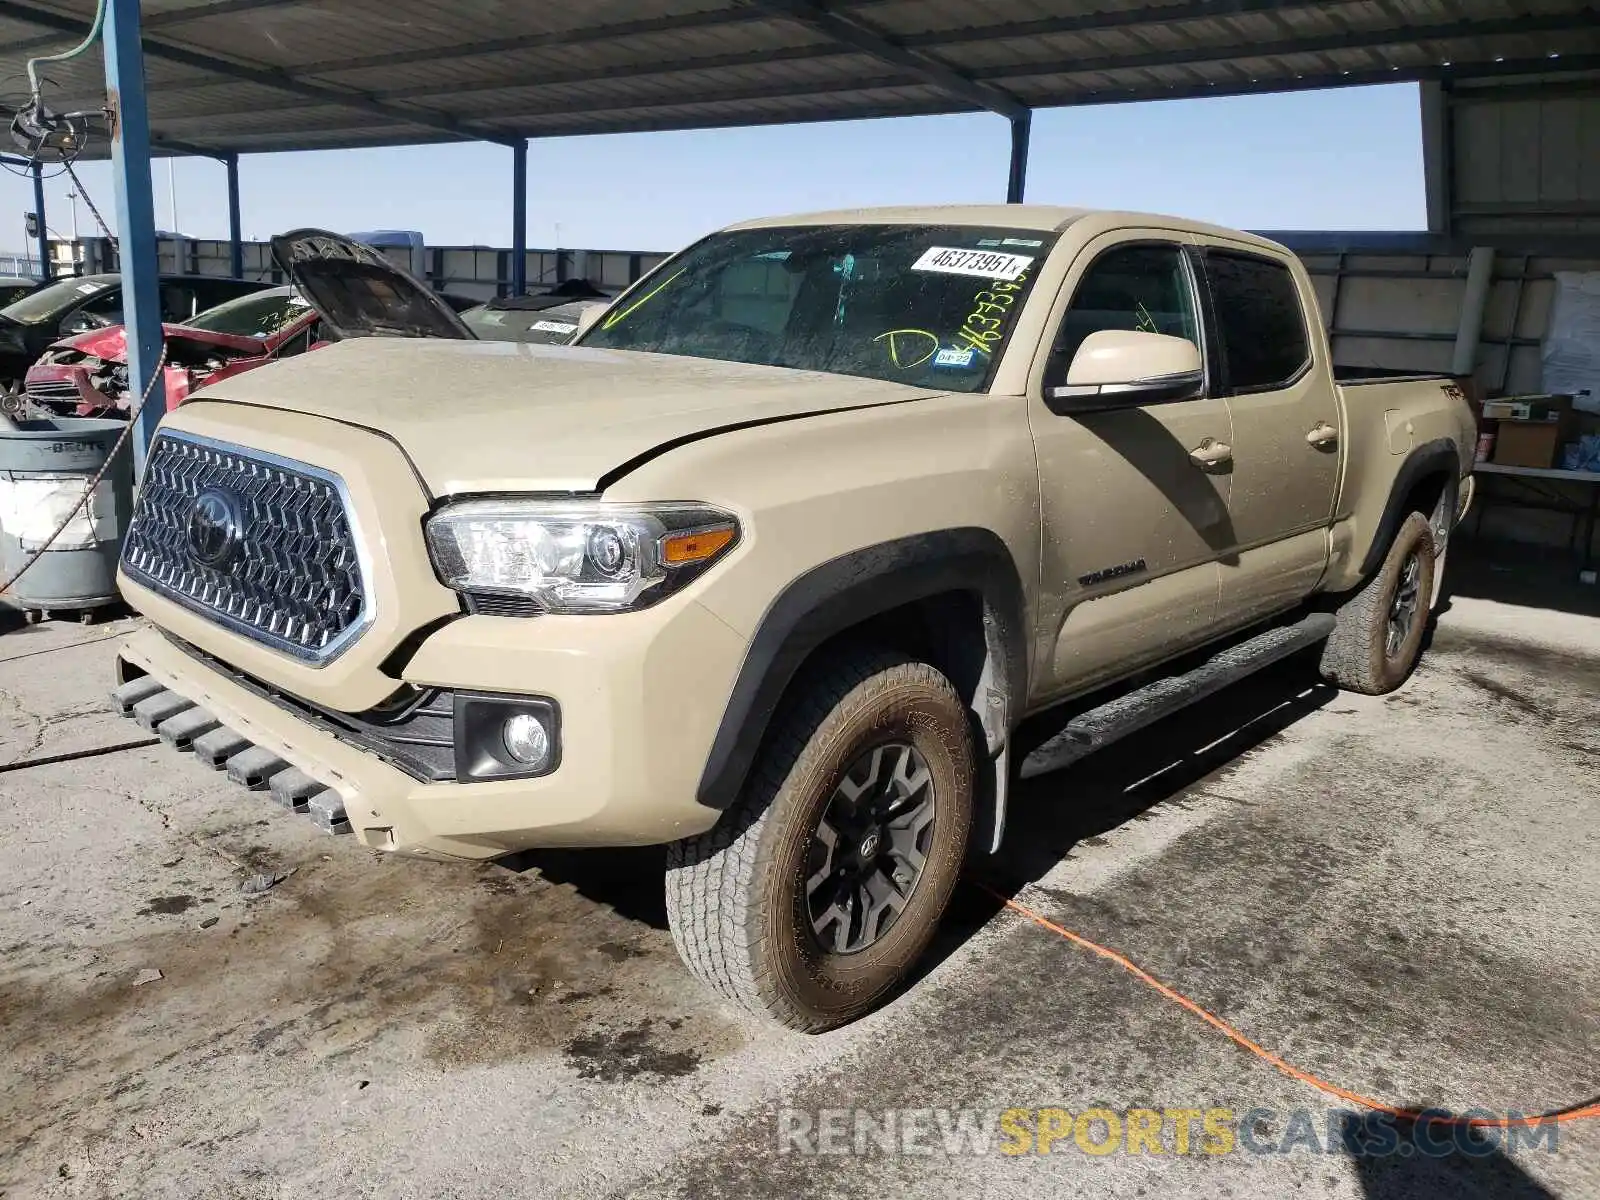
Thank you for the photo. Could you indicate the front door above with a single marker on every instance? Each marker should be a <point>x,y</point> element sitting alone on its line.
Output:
<point>1287,425</point>
<point>1133,524</point>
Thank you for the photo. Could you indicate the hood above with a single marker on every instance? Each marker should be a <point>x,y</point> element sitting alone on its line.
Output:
<point>111,343</point>
<point>567,292</point>
<point>553,325</point>
<point>359,292</point>
<point>516,417</point>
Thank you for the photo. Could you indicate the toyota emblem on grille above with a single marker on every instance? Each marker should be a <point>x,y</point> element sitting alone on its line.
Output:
<point>216,527</point>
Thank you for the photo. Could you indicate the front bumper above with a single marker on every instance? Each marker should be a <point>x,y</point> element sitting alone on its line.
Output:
<point>640,702</point>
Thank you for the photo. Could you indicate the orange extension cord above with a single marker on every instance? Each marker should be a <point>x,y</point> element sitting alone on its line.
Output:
<point>1559,1116</point>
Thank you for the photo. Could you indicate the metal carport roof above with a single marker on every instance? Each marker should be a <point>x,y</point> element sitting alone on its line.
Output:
<point>242,76</point>
<point>231,77</point>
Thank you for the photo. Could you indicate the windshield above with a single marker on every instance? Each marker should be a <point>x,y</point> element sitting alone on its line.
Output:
<point>258,315</point>
<point>48,302</point>
<point>926,305</point>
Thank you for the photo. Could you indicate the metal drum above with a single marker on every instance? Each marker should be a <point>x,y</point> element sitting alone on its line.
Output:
<point>45,465</point>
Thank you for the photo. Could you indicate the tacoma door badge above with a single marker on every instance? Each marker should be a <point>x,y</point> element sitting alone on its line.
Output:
<point>1116,572</point>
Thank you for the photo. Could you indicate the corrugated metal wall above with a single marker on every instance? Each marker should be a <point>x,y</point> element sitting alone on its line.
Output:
<point>1525,160</point>
<point>1403,310</point>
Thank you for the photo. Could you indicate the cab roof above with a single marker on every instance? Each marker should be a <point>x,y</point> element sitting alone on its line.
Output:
<point>1042,217</point>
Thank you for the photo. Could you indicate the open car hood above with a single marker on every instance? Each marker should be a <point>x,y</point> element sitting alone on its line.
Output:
<point>359,292</point>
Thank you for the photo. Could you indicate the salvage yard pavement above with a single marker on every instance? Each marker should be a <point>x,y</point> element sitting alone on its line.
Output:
<point>1398,894</point>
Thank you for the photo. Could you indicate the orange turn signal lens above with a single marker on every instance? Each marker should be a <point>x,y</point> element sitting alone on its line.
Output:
<point>680,549</point>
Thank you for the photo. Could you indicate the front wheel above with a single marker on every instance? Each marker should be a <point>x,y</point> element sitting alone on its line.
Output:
<point>1379,633</point>
<point>815,895</point>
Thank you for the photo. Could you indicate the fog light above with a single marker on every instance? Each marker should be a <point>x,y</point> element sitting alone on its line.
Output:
<point>506,737</point>
<point>527,741</point>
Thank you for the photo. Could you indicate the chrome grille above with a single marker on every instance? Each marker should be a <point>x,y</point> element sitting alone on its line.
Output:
<point>53,390</point>
<point>292,578</point>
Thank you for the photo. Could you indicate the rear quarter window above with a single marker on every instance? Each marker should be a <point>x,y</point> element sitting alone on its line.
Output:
<point>1261,326</point>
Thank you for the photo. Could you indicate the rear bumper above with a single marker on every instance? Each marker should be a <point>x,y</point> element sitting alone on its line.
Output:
<point>633,745</point>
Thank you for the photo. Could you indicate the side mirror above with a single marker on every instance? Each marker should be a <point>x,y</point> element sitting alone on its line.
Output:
<point>1123,368</point>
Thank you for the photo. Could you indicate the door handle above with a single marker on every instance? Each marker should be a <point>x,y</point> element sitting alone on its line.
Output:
<point>1211,454</point>
<point>1322,435</point>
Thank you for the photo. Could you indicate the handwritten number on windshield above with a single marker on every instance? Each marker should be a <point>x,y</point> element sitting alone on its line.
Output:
<point>984,328</point>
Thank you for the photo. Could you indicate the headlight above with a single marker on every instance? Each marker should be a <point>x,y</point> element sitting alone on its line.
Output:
<point>570,558</point>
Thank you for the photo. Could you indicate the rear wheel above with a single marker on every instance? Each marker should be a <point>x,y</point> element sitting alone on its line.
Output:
<point>1379,633</point>
<point>813,898</point>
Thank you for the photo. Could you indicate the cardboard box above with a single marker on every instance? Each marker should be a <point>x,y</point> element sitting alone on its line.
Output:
<point>1533,443</point>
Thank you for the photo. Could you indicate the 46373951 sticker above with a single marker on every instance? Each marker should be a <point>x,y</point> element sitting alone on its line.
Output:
<point>984,264</point>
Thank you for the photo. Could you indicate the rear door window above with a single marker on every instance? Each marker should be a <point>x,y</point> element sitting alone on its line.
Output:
<point>1261,326</point>
<point>105,307</point>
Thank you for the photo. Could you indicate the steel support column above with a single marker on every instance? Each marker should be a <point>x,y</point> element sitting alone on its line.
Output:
<point>1469,329</point>
<point>43,237</point>
<point>519,217</point>
<point>136,221</point>
<point>1021,128</point>
<point>1438,154</point>
<point>235,240</point>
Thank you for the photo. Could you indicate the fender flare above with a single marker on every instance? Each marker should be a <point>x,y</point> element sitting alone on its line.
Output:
<point>1438,457</point>
<point>840,594</point>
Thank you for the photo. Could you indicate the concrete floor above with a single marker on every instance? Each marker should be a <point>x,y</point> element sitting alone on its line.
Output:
<point>1398,894</point>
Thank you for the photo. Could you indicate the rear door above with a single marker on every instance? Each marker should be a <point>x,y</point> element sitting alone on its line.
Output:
<point>1132,525</point>
<point>1286,429</point>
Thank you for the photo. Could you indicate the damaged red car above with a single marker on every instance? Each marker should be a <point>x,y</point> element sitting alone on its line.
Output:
<point>341,289</point>
<point>87,374</point>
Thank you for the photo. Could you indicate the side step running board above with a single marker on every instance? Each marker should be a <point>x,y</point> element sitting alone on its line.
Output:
<point>1099,727</point>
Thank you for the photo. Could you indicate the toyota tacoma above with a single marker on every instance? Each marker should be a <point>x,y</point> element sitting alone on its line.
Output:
<point>770,564</point>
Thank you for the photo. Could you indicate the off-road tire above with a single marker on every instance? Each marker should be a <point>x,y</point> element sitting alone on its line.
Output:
<point>1357,656</point>
<point>736,895</point>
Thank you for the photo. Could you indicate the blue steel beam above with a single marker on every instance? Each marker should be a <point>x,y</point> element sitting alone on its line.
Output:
<point>235,240</point>
<point>45,273</point>
<point>519,217</point>
<point>136,218</point>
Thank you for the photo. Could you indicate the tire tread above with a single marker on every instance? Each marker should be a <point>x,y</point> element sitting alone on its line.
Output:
<point>1348,658</point>
<point>712,884</point>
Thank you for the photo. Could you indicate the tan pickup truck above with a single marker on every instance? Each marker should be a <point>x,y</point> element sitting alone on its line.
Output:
<point>770,565</point>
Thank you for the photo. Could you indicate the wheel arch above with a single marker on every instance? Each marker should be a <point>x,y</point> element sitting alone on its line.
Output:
<point>1430,471</point>
<point>951,597</point>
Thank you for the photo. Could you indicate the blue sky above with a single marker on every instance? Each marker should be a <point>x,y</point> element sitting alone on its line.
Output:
<point>1340,159</point>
